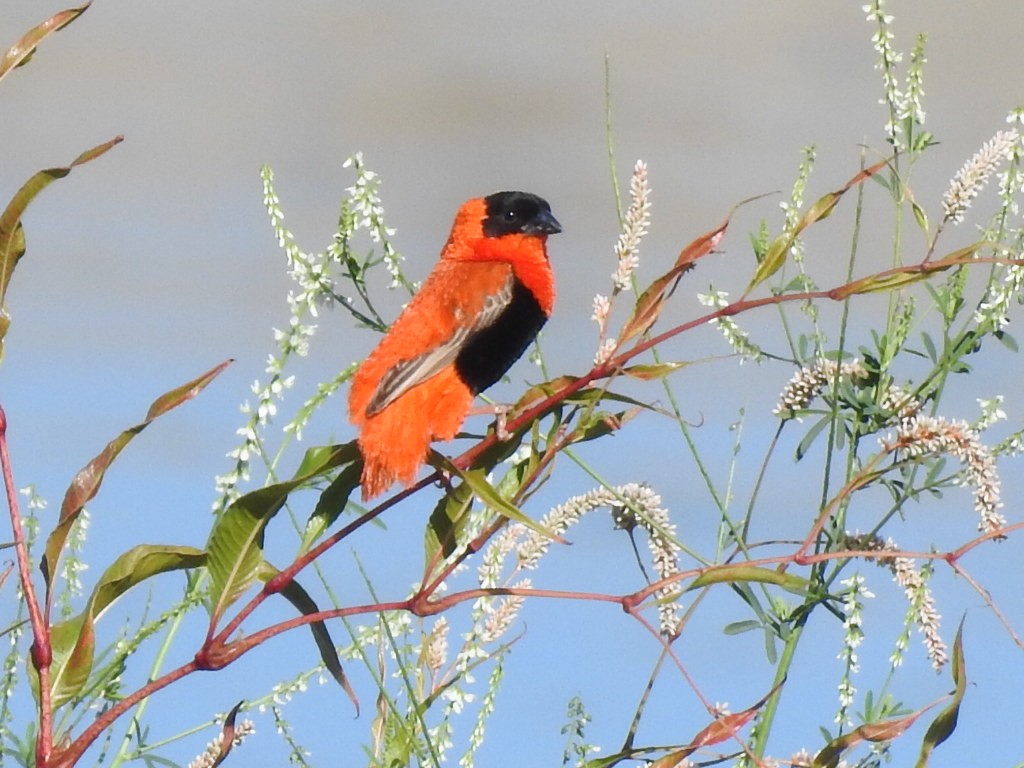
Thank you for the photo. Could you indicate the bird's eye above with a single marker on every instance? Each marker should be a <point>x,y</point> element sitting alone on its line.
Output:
<point>511,215</point>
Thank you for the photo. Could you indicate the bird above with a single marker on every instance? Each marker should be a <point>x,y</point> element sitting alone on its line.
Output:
<point>484,302</point>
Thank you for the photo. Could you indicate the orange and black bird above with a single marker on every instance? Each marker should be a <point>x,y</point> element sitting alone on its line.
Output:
<point>486,299</point>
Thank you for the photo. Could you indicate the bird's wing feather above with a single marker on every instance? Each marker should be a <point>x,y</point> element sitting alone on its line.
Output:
<point>406,374</point>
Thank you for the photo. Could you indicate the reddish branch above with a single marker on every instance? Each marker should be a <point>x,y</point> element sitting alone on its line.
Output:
<point>42,652</point>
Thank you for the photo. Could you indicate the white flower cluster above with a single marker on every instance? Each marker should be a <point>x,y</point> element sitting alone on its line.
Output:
<point>882,40</point>
<point>638,218</point>
<point>315,285</point>
<point>792,207</point>
<point>369,214</point>
<point>922,435</point>
<point>643,508</point>
<point>808,382</point>
<point>211,754</point>
<point>972,177</point>
<point>853,636</point>
<point>627,257</point>
<point>736,337</point>
<point>922,609</point>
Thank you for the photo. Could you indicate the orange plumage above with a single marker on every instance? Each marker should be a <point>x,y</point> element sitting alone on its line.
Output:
<point>476,313</point>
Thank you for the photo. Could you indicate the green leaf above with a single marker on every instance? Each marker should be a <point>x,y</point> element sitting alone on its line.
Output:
<point>12,234</point>
<point>732,574</point>
<point>885,730</point>
<point>235,547</point>
<point>73,641</point>
<point>86,484</point>
<point>19,53</point>
<point>920,216</point>
<point>447,522</point>
<point>653,371</point>
<point>929,346</point>
<point>477,482</point>
<point>811,436</point>
<point>943,726</point>
<point>333,500</point>
<point>779,248</point>
<point>1006,340</point>
<point>739,627</point>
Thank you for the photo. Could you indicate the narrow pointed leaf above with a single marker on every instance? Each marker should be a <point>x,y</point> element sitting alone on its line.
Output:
<point>648,307</point>
<point>733,574</point>
<point>446,524</point>
<point>86,484</point>
<point>227,736</point>
<point>651,372</point>
<point>12,237</point>
<point>722,728</point>
<point>886,730</point>
<point>779,249</point>
<point>898,278</point>
<point>296,594</point>
<point>331,503</point>
<point>22,51</point>
<point>487,493</point>
<point>184,393</point>
<point>717,731</point>
<point>943,726</point>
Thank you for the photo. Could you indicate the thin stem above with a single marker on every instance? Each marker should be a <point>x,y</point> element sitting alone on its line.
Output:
<point>42,652</point>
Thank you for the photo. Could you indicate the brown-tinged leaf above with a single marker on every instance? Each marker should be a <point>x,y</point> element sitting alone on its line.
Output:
<point>942,727</point>
<point>648,306</point>
<point>87,482</point>
<point>717,731</point>
<point>227,736</point>
<point>12,234</point>
<point>723,728</point>
<point>897,278</point>
<point>542,391</point>
<point>779,248</point>
<point>22,51</point>
<point>885,730</point>
<point>880,283</point>
<point>673,759</point>
<point>171,400</point>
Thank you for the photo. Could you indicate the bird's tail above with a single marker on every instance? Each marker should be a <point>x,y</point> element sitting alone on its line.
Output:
<point>395,441</point>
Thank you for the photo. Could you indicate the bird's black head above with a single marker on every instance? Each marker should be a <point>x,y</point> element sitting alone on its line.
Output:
<point>518,212</point>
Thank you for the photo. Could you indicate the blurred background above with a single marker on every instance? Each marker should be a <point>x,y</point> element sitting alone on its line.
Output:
<point>155,262</point>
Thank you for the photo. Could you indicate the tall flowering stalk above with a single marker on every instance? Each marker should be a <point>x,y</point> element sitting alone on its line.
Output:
<point>627,257</point>
<point>318,279</point>
<point>974,175</point>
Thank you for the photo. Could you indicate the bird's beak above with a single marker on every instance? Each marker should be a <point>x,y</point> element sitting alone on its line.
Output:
<point>543,224</point>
